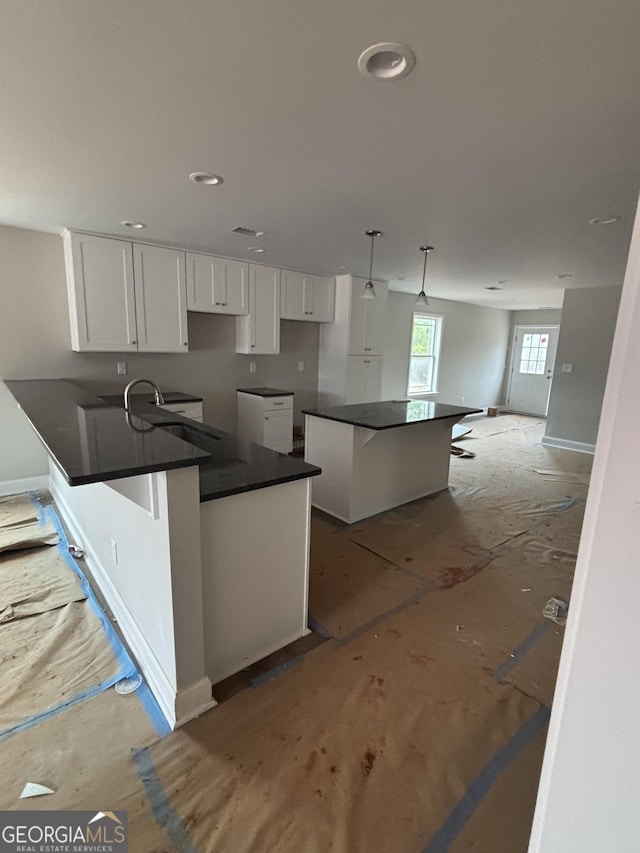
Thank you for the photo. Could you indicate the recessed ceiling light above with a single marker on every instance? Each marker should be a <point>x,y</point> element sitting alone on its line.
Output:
<point>565,275</point>
<point>341,268</point>
<point>205,178</point>
<point>247,232</point>
<point>504,281</point>
<point>604,220</point>
<point>129,223</point>
<point>402,279</point>
<point>255,249</point>
<point>386,61</point>
<point>493,287</point>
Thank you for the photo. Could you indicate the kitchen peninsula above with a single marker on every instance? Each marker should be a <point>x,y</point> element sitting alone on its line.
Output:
<point>198,540</point>
<point>375,456</point>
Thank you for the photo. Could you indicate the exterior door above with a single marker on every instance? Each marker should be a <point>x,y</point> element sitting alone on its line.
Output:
<point>533,356</point>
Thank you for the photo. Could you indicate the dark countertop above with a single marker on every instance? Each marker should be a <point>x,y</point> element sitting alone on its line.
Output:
<point>169,397</point>
<point>391,413</point>
<point>266,392</point>
<point>91,441</point>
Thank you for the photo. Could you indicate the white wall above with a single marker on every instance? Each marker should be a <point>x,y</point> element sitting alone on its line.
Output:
<point>473,355</point>
<point>586,334</point>
<point>590,785</point>
<point>35,344</point>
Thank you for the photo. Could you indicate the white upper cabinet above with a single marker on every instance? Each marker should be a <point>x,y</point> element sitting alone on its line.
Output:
<point>125,296</point>
<point>307,297</point>
<point>102,308</point>
<point>161,298</point>
<point>367,318</point>
<point>217,285</point>
<point>259,332</point>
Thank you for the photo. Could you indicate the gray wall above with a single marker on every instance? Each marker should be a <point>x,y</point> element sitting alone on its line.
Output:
<point>473,354</point>
<point>586,335</point>
<point>35,344</point>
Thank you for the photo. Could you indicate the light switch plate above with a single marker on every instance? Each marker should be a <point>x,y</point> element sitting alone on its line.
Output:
<point>567,367</point>
<point>122,368</point>
<point>301,366</point>
<point>252,367</point>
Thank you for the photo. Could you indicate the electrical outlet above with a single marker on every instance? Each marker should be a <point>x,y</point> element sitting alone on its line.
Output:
<point>122,368</point>
<point>252,367</point>
<point>114,552</point>
<point>461,400</point>
<point>567,367</point>
<point>301,366</point>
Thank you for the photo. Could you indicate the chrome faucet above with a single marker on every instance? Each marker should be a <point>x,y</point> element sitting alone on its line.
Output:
<point>133,383</point>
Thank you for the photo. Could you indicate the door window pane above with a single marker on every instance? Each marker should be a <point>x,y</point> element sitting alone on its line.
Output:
<point>533,357</point>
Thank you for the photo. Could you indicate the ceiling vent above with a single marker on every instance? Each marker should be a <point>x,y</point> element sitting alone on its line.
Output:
<point>247,232</point>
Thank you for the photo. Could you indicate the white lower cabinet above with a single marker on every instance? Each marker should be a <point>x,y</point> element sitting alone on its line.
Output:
<point>364,379</point>
<point>259,332</point>
<point>125,297</point>
<point>266,420</point>
<point>191,410</point>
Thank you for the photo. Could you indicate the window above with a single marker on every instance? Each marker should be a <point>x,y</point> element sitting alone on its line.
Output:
<point>424,354</point>
<point>534,353</point>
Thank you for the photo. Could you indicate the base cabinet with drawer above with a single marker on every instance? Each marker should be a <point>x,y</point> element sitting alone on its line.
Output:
<point>266,418</point>
<point>191,410</point>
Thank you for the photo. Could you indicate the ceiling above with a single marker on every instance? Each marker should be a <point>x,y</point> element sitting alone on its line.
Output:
<point>518,124</point>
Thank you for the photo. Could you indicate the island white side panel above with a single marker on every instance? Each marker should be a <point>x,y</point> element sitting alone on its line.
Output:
<point>156,556</point>
<point>395,466</point>
<point>329,445</point>
<point>255,552</point>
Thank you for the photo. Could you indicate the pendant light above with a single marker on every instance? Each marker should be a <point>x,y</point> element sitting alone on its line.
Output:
<point>369,290</point>
<point>422,301</point>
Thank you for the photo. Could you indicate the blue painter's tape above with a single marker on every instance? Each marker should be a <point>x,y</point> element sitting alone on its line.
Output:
<point>127,667</point>
<point>372,623</point>
<point>38,506</point>
<point>484,781</point>
<point>567,503</point>
<point>501,672</point>
<point>123,658</point>
<point>154,712</point>
<point>319,628</point>
<point>276,671</point>
<point>34,720</point>
<point>165,816</point>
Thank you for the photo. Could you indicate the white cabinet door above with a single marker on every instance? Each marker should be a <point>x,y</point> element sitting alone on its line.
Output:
<point>217,285</point>
<point>366,322</point>
<point>307,297</point>
<point>292,304</point>
<point>278,430</point>
<point>161,298</point>
<point>364,379</point>
<point>259,332</point>
<point>101,293</point>
<point>324,299</point>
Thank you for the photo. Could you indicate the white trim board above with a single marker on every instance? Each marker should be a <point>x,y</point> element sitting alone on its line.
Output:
<point>178,708</point>
<point>26,484</point>
<point>566,444</point>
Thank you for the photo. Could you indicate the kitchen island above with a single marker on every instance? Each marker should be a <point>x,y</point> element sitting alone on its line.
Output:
<point>375,456</point>
<point>198,540</point>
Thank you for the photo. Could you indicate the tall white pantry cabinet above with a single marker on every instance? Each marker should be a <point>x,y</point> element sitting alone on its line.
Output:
<point>351,348</point>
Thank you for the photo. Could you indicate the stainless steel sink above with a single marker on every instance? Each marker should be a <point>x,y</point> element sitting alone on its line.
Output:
<point>192,435</point>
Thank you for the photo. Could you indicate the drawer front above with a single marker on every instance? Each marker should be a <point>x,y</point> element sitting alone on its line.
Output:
<point>187,410</point>
<point>274,404</point>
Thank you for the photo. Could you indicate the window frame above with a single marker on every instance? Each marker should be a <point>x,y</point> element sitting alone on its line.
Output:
<point>437,349</point>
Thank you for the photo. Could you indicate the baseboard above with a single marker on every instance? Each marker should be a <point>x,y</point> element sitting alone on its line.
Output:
<point>25,484</point>
<point>177,706</point>
<point>566,444</point>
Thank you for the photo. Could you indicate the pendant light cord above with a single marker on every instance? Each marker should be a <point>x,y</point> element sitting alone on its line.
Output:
<point>373,237</point>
